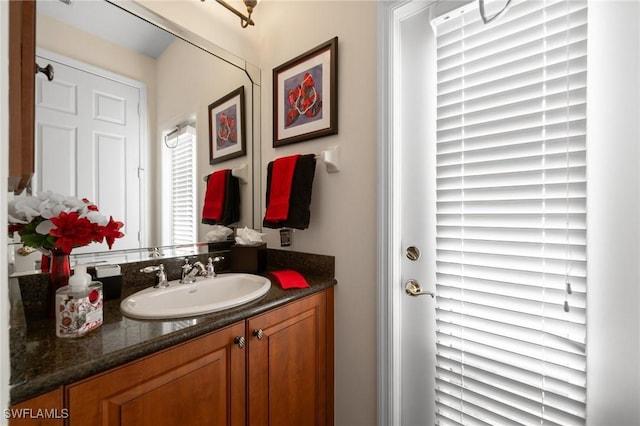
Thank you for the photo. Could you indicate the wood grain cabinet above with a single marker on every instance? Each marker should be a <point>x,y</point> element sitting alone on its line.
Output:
<point>201,382</point>
<point>43,410</point>
<point>281,374</point>
<point>289,371</point>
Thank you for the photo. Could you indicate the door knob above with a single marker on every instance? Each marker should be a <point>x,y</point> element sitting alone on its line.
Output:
<point>413,288</point>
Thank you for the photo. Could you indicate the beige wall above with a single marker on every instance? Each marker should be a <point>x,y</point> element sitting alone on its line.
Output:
<point>343,206</point>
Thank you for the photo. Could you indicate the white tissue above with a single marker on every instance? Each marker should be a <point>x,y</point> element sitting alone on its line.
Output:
<point>219,233</point>
<point>248,237</point>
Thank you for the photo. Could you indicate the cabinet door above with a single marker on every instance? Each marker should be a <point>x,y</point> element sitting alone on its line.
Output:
<point>201,382</point>
<point>287,367</point>
<point>43,410</point>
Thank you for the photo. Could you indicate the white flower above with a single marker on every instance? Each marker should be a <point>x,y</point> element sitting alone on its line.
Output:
<point>24,209</point>
<point>96,217</point>
<point>44,227</point>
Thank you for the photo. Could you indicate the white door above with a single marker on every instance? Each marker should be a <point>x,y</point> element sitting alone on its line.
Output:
<point>407,247</point>
<point>416,179</point>
<point>88,143</point>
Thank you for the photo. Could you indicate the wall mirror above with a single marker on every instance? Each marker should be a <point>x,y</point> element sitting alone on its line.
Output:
<point>171,75</point>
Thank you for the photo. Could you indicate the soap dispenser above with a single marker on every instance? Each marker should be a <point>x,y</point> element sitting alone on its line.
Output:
<point>78,305</point>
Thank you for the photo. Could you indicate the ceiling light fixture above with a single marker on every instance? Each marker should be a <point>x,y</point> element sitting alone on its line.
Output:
<point>245,21</point>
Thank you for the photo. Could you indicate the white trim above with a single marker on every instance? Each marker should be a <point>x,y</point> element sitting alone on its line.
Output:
<point>389,374</point>
<point>145,225</point>
<point>388,318</point>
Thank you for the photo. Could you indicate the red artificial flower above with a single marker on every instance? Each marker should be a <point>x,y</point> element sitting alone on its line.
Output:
<point>90,206</point>
<point>72,231</point>
<point>112,231</point>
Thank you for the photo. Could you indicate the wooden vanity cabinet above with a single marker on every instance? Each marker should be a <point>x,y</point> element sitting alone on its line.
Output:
<point>290,370</point>
<point>43,410</point>
<point>201,382</point>
<point>281,376</point>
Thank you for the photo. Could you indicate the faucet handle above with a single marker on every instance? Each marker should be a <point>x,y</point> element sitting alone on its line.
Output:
<point>161,276</point>
<point>211,271</point>
<point>149,269</point>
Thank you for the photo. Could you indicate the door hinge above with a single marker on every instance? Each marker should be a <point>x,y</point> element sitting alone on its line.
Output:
<point>140,170</point>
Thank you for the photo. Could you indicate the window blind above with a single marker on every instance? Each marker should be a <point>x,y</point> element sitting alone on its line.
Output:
<point>511,215</point>
<point>183,199</point>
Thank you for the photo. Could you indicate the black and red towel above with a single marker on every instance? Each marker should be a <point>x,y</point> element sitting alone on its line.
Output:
<point>222,199</point>
<point>289,184</point>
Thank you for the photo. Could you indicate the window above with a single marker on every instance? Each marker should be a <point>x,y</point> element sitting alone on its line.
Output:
<point>511,215</point>
<point>180,228</point>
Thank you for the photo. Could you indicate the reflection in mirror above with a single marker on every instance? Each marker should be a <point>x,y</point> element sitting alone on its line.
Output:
<point>120,86</point>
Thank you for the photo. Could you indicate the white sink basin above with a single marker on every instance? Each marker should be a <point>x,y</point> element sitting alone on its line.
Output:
<point>202,297</point>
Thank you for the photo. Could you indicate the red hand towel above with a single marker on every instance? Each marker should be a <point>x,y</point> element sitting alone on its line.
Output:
<point>215,194</point>
<point>280,191</point>
<point>289,278</point>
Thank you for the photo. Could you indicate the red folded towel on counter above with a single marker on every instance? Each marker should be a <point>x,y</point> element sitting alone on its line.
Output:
<point>280,189</point>
<point>215,195</point>
<point>288,278</point>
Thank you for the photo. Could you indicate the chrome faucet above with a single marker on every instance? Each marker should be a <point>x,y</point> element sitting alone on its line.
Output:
<point>191,271</point>
<point>161,276</point>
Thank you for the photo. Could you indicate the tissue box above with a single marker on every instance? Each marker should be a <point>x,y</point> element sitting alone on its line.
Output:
<point>249,259</point>
<point>111,279</point>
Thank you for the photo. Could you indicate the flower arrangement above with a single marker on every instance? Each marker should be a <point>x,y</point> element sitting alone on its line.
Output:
<point>50,222</point>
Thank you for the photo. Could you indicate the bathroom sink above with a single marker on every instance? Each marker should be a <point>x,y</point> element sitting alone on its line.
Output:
<point>203,296</point>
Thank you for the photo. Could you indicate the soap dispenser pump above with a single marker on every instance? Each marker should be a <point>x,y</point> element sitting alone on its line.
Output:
<point>79,305</point>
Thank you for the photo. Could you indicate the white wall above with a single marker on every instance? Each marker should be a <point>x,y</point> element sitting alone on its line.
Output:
<point>613,218</point>
<point>343,205</point>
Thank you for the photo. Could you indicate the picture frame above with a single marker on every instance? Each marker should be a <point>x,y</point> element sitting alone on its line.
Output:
<point>305,95</point>
<point>227,127</point>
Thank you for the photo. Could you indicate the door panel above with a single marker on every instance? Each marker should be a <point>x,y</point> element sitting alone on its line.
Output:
<point>416,147</point>
<point>88,144</point>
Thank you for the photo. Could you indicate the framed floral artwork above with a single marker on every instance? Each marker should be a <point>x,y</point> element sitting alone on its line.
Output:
<point>227,128</point>
<point>305,101</point>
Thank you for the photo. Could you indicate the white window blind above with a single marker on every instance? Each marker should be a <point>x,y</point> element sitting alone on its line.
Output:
<point>183,188</point>
<point>511,215</point>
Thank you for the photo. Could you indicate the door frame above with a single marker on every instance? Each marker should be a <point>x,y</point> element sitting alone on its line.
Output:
<point>389,292</point>
<point>143,166</point>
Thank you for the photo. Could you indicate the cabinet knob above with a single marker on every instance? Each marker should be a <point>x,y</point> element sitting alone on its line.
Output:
<point>240,341</point>
<point>258,333</point>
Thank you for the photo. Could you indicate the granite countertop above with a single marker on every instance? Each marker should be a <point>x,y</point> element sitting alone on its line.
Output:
<point>50,362</point>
